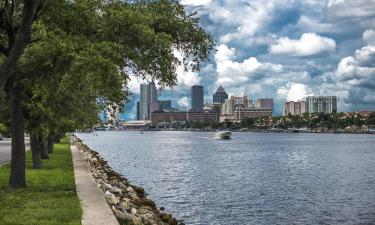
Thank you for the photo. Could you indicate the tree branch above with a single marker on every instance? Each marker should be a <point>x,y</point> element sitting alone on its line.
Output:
<point>21,40</point>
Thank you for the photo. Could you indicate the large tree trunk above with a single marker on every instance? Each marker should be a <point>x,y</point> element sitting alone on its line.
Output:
<point>17,171</point>
<point>36,151</point>
<point>50,144</point>
<point>44,145</point>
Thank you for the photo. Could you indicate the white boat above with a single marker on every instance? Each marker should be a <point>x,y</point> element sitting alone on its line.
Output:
<point>223,135</point>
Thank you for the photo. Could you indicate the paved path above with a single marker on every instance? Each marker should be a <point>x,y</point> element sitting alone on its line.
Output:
<point>96,211</point>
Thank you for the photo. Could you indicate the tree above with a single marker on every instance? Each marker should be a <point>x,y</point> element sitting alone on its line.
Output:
<point>15,35</point>
<point>83,57</point>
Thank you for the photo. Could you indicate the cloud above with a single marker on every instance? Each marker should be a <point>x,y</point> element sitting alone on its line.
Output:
<point>356,76</point>
<point>359,67</point>
<point>133,84</point>
<point>284,49</point>
<point>293,91</point>
<point>316,25</point>
<point>309,44</point>
<point>184,102</point>
<point>196,2</point>
<point>369,37</point>
<point>185,79</point>
<point>232,73</point>
<point>351,8</point>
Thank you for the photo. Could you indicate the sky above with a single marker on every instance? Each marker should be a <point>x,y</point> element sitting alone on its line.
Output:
<point>282,49</point>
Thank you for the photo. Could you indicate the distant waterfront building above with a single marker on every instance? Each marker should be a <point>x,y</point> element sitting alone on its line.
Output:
<point>197,98</point>
<point>241,113</point>
<point>233,102</point>
<point>265,103</point>
<point>321,104</point>
<point>138,112</point>
<point>167,118</point>
<point>220,95</point>
<point>216,107</point>
<point>135,125</point>
<point>165,105</point>
<point>201,116</point>
<point>148,95</point>
<point>295,108</point>
<point>154,106</point>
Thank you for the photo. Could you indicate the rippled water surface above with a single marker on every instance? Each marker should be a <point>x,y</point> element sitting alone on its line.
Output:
<point>255,178</point>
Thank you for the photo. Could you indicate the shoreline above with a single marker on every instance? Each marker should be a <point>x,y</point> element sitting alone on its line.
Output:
<point>240,131</point>
<point>128,202</point>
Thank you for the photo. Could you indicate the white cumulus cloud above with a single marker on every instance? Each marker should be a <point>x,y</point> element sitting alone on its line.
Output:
<point>232,73</point>
<point>185,78</point>
<point>308,44</point>
<point>356,75</point>
<point>369,37</point>
<point>293,91</point>
<point>196,2</point>
<point>183,102</point>
<point>351,8</point>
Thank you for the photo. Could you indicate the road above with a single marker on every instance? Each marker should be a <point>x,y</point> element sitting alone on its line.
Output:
<point>5,150</point>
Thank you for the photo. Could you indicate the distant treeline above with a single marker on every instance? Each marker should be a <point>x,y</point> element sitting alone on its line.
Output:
<point>333,121</point>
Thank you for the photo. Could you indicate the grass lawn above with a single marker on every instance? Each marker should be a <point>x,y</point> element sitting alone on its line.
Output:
<point>50,197</point>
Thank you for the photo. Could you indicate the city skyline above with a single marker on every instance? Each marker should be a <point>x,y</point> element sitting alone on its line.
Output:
<point>285,50</point>
<point>263,102</point>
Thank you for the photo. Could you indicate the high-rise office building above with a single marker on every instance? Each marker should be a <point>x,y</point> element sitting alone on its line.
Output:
<point>148,98</point>
<point>197,98</point>
<point>220,95</point>
<point>138,112</point>
<point>321,104</point>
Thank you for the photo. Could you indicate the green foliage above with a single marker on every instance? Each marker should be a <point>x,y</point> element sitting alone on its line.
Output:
<point>87,49</point>
<point>50,197</point>
<point>3,128</point>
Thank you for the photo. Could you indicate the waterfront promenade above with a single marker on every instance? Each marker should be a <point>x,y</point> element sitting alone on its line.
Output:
<point>94,206</point>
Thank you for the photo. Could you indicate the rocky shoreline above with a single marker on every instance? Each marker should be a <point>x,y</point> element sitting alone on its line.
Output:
<point>129,203</point>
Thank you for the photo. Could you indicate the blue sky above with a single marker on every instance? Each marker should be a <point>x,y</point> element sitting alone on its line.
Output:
<point>283,49</point>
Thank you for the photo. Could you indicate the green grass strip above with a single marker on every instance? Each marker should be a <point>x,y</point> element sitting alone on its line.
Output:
<point>50,197</point>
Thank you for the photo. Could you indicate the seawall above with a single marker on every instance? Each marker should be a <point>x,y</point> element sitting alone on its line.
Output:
<point>128,202</point>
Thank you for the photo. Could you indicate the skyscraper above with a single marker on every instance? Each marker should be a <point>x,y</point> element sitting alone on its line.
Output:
<point>197,98</point>
<point>220,95</point>
<point>148,97</point>
<point>138,112</point>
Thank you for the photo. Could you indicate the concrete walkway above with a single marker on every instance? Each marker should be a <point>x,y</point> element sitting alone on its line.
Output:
<point>96,211</point>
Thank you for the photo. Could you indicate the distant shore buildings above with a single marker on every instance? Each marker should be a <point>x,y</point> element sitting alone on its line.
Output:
<point>148,98</point>
<point>223,108</point>
<point>237,108</point>
<point>311,104</point>
<point>219,96</point>
<point>149,102</point>
<point>161,113</point>
<point>197,98</point>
